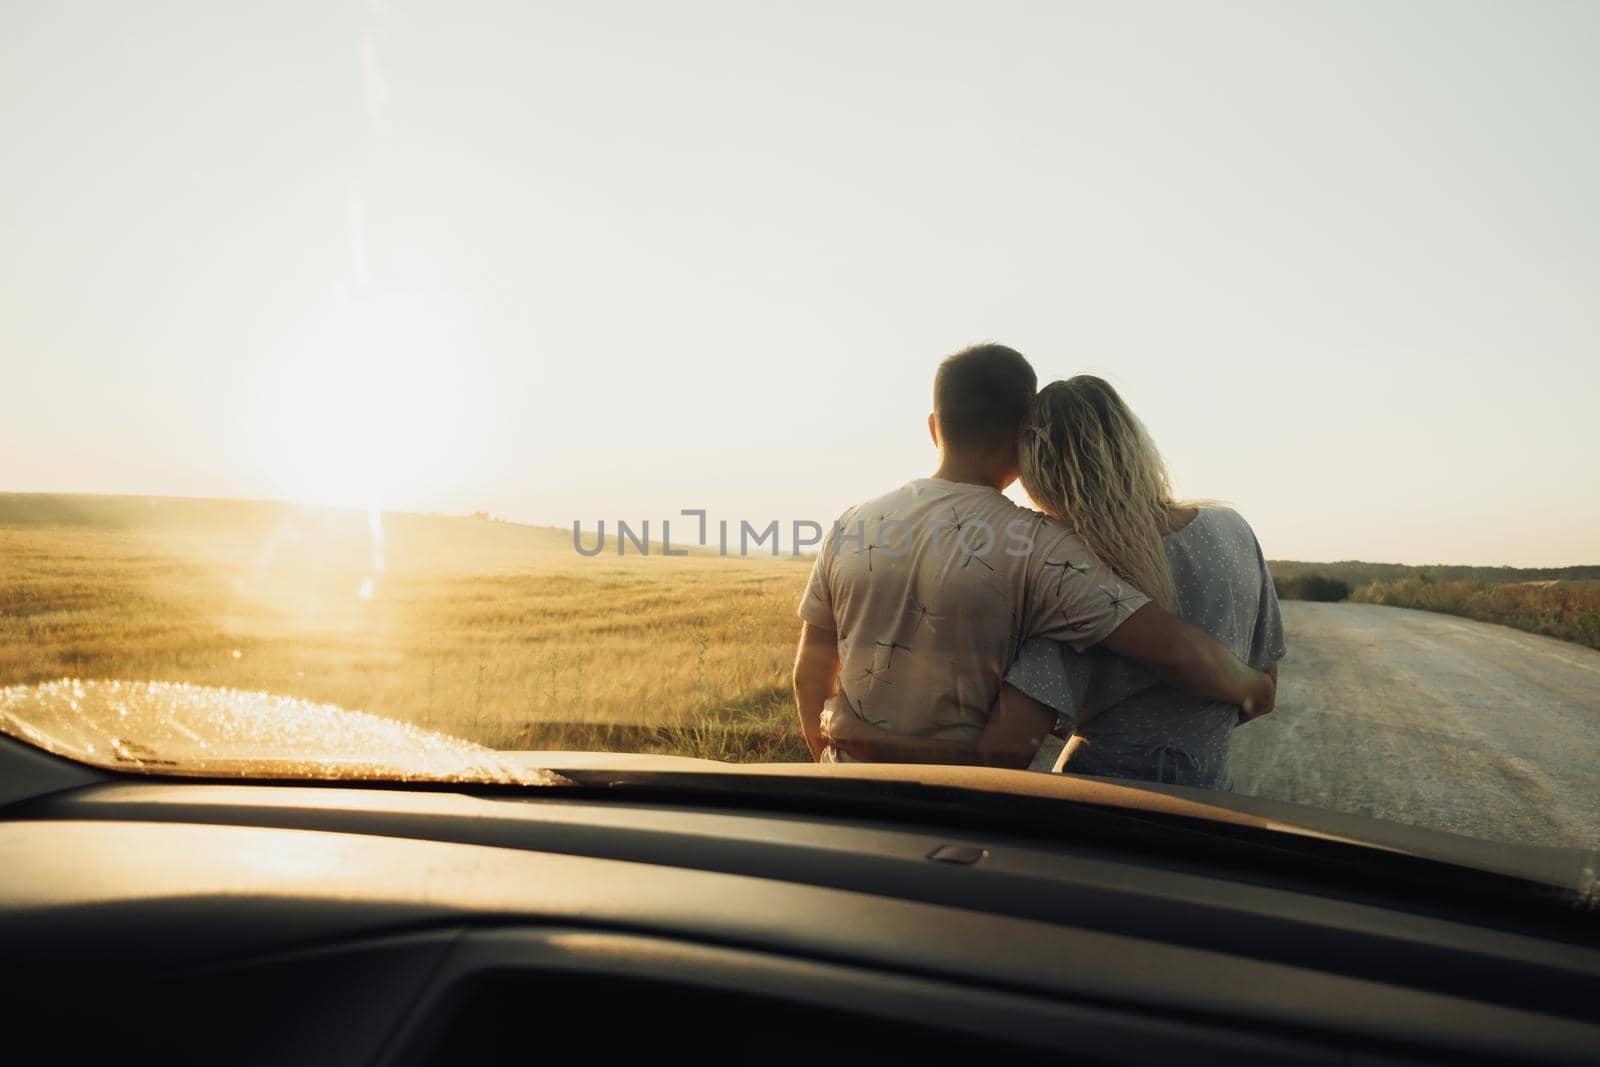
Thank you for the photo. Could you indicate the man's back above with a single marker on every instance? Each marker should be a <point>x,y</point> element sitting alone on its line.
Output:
<point>932,588</point>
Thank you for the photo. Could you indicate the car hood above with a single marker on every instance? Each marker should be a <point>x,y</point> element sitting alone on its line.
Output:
<point>177,729</point>
<point>196,730</point>
<point>1577,870</point>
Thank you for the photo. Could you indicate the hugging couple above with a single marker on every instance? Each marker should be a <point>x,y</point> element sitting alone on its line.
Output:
<point>945,624</point>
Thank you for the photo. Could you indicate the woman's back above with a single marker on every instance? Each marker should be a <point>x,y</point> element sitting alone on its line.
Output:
<point>1142,729</point>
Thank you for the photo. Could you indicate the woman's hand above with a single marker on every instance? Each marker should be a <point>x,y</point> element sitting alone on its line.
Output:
<point>1255,708</point>
<point>842,727</point>
<point>1016,727</point>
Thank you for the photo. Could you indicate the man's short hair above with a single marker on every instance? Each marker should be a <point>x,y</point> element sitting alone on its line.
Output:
<point>981,395</point>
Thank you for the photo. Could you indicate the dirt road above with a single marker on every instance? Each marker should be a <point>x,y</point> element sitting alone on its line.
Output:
<point>1434,721</point>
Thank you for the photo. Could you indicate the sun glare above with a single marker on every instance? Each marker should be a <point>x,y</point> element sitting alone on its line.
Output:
<point>378,399</point>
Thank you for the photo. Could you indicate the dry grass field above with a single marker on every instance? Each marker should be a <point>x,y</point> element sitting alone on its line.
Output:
<point>492,631</point>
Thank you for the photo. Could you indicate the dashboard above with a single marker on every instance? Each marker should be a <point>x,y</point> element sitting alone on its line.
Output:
<point>273,923</point>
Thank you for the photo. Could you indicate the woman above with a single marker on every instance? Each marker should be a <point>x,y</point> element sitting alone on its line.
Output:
<point>1087,461</point>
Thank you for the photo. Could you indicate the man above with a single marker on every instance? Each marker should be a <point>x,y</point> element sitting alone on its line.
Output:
<point>920,598</point>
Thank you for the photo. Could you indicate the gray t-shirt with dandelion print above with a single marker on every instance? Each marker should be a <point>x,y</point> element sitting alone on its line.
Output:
<point>931,588</point>
<point>1141,728</point>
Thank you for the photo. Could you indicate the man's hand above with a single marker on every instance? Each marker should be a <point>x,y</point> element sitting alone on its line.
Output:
<point>1189,659</point>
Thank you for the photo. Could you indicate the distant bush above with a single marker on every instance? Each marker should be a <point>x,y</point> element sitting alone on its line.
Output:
<point>1568,611</point>
<point>1359,574</point>
<point>1312,587</point>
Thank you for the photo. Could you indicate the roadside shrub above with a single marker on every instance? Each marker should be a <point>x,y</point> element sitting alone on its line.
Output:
<point>1549,608</point>
<point>1312,587</point>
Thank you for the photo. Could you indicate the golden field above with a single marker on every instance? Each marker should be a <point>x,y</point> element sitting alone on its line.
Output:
<point>492,631</point>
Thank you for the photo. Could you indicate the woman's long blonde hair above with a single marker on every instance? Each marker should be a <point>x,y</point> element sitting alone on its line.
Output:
<point>1088,461</point>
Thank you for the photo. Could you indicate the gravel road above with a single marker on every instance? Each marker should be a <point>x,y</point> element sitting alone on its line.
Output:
<point>1432,720</point>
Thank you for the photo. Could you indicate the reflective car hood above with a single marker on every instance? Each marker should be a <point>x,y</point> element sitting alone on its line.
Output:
<point>176,728</point>
<point>186,730</point>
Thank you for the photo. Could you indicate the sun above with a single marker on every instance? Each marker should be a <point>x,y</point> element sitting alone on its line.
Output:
<point>377,399</point>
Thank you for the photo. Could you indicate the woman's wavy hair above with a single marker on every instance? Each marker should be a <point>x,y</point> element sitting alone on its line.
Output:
<point>1088,461</point>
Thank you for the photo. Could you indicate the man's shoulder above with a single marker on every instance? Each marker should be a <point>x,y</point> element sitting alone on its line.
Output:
<point>1053,537</point>
<point>901,503</point>
<point>928,503</point>
<point>872,507</point>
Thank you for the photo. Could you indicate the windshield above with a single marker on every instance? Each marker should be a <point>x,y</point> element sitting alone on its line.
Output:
<point>452,391</point>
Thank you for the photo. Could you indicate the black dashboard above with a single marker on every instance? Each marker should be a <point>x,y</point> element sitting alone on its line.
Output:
<point>273,923</point>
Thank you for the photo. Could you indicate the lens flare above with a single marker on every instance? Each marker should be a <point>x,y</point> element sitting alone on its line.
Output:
<point>378,399</point>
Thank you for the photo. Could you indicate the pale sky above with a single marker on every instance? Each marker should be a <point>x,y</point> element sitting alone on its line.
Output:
<point>588,261</point>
